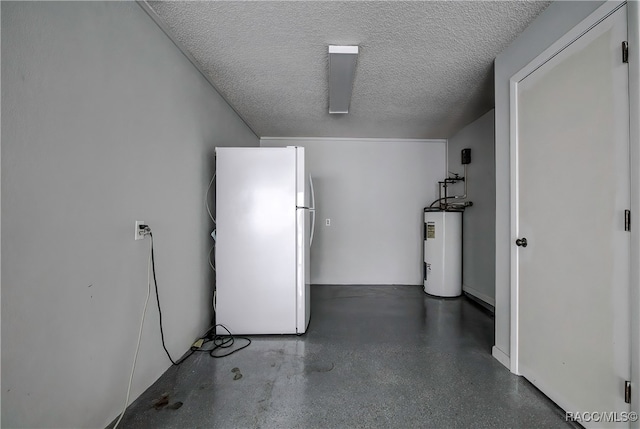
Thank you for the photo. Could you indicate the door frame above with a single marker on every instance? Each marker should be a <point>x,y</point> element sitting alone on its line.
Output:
<point>633,16</point>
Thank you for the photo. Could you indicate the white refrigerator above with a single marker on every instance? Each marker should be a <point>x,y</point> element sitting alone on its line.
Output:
<point>265,220</point>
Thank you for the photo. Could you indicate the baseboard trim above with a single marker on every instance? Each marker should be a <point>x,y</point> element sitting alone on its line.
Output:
<point>481,296</point>
<point>356,139</point>
<point>501,357</point>
<point>365,284</point>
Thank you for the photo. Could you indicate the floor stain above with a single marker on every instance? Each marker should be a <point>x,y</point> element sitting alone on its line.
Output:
<point>161,402</point>
<point>175,405</point>
<point>237,374</point>
<point>264,405</point>
<point>320,368</point>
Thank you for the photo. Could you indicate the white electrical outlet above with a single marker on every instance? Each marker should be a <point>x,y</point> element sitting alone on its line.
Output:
<point>327,222</point>
<point>138,235</point>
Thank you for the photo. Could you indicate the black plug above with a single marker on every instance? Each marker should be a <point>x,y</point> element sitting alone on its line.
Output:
<point>144,230</point>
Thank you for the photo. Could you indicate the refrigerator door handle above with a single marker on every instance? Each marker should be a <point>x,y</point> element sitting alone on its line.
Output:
<point>313,194</point>
<point>313,226</point>
<point>312,210</point>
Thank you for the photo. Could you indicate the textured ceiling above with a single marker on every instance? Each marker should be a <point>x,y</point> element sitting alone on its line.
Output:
<point>424,68</point>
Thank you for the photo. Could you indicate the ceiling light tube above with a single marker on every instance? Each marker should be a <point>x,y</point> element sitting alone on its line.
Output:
<point>342,70</point>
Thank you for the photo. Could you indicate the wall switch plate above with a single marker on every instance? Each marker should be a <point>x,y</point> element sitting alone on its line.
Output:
<point>139,236</point>
<point>327,222</point>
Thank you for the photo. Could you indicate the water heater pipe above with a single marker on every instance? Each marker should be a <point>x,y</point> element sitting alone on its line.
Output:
<point>457,197</point>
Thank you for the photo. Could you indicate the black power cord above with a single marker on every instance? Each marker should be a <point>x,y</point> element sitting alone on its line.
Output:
<point>224,342</point>
<point>155,282</point>
<point>219,341</point>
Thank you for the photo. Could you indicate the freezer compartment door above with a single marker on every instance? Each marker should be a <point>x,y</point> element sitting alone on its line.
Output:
<point>305,195</point>
<point>256,240</point>
<point>302,187</point>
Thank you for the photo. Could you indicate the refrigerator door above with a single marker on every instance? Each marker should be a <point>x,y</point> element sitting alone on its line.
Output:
<point>256,247</point>
<point>303,280</point>
<point>303,294</point>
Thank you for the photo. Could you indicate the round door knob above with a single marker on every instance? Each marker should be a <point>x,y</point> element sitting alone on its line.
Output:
<point>521,242</point>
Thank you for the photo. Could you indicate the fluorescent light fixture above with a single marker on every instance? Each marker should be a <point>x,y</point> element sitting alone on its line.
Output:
<point>342,69</point>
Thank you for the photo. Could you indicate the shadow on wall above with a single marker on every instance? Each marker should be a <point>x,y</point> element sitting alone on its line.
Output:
<point>209,203</point>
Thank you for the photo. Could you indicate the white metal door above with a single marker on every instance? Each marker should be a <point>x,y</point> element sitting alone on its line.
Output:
<point>256,240</point>
<point>572,189</point>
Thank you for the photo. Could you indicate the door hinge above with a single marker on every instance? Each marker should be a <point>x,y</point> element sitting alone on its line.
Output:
<point>627,392</point>
<point>625,52</point>
<point>627,220</point>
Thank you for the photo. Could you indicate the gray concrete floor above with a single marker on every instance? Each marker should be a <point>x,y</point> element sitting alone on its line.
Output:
<point>373,357</point>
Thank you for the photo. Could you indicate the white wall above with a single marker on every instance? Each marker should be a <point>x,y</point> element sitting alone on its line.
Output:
<point>552,24</point>
<point>374,192</point>
<point>478,221</point>
<point>104,122</point>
